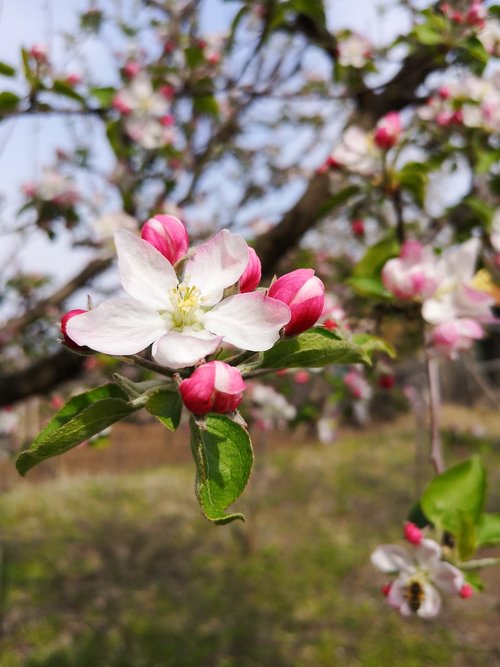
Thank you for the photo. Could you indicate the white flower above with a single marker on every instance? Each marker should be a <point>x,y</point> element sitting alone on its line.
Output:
<point>495,231</point>
<point>419,575</point>
<point>455,296</point>
<point>357,151</point>
<point>353,51</point>
<point>109,223</point>
<point>184,320</point>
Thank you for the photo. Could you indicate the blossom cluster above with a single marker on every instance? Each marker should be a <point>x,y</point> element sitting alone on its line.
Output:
<point>451,303</point>
<point>188,304</point>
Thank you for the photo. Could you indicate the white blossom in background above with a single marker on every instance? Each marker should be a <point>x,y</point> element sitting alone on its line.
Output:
<point>353,50</point>
<point>420,575</point>
<point>106,225</point>
<point>269,408</point>
<point>357,152</point>
<point>54,186</point>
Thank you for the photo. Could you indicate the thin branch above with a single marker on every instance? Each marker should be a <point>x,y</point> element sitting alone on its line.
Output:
<point>436,454</point>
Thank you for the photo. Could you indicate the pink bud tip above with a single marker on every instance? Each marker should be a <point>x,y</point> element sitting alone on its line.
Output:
<point>250,279</point>
<point>168,235</point>
<point>358,227</point>
<point>64,324</point>
<point>131,69</point>
<point>73,79</point>
<point>466,591</point>
<point>388,131</point>
<point>304,294</point>
<point>386,381</point>
<point>412,533</point>
<point>302,377</point>
<point>213,387</point>
<point>386,589</point>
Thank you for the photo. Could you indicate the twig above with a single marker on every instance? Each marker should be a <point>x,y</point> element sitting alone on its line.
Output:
<point>436,455</point>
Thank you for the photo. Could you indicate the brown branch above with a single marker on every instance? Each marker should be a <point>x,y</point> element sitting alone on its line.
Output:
<point>17,324</point>
<point>40,377</point>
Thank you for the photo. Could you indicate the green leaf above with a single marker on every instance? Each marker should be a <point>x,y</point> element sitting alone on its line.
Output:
<point>104,95</point>
<point>483,211</point>
<point>206,104</point>
<point>461,525</point>
<point>375,257</point>
<point>474,580</point>
<point>371,287</point>
<point>488,529</point>
<point>82,417</point>
<point>223,455</point>
<point>166,406</point>
<point>314,9</point>
<point>9,101</point>
<point>316,348</point>
<point>7,70</point>
<point>63,88</point>
<point>414,177</point>
<point>370,344</point>
<point>427,35</point>
<point>461,488</point>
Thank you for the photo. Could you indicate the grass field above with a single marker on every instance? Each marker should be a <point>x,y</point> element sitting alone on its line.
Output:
<point>120,570</point>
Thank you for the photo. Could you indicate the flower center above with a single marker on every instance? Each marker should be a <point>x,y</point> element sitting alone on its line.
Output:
<point>186,307</point>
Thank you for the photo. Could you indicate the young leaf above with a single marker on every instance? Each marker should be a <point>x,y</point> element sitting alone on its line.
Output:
<point>166,406</point>
<point>8,101</point>
<point>82,417</point>
<point>375,257</point>
<point>316,348</point>
<point>461,488</point>
<point>65,89</point>
<point>6,69</point>
<point>370,344</point>
<point>223,455</point>
<point>488,529</point>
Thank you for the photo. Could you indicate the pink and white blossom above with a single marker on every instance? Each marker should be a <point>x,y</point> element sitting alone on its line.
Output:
<point>106,225</point>
<point>388,131</point>
<point>250,279</point>
<point>456,336</point>
<point>357,152</point>
<point>455,296</point>
<point>353,50</point>
<point>357,385</point>
<point>412,275</point>
<point>420,575</point>
<point>304,293</point>
<point>213,387</point>
<point>184,319</point>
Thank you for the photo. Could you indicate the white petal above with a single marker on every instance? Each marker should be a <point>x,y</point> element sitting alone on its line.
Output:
<point>428,553</point>
<point>117,326</point>
<point>447,577</point>
<point>460,262</point>
<point>397,595</point>
<point>391,558</point>
<point>250,321</point>
<point>144,273</point>
<point>179,350</point>
<point>431,604</point>
<point>217,264</point>
<point>436,311</point>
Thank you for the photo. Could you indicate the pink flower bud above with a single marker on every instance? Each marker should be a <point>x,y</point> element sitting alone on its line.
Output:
<point>131,69</point>
<point>168,235</point>
<point>304,293</point>
<point>253,273</point>
<point>412,533</point>
<point>386,589</point>
<point>213,387</point>
<point>466,591</point>
<point>167,121</point>
<point>476,15</point>
<point>357,385</point>
<point>73,79</point>
<point>64,324</point>
<point>302,377</point>
<point>167,91</point>
<point>121,106</point>
<point>358,227</point>
<point>29,189</point>
<point>386,381</point>
<point>444,92</point>
<point>388,131</point>
<point>39,53</point>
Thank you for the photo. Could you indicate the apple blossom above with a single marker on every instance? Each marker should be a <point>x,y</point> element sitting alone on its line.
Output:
<point>388,131</point>
<point>64,326</point>
<point>357,385</point>
<point>213,387</point>
<point>419,576</point>
<point>250,279</point>
<point>413,274</point>
<point>353,50</point>
<point>358,227</point>
<point>304,293</point>
<point>109,223</point>
<point>168,235</point>
<point>187,319</point>
<point>357,152</point>
<point>455,335</point>
<point>268,408</point>
<point>455,297</point>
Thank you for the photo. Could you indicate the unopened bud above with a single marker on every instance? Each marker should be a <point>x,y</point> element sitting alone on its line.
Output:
<point>213,387</point>
<point>304,294</point>
<point>168,235</point>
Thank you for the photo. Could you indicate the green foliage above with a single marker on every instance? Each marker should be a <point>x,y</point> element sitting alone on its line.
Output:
<point>488,529</point>
<point>103,95</point>
<point>166,406</point>
<point>81,418</point>
<point>9,101</point>
<point>223,455</point>
<point>316,348</point>
<point>63,88</point>
<point>413,177</point>
<point>375,257</point>
<point>6,69</point>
